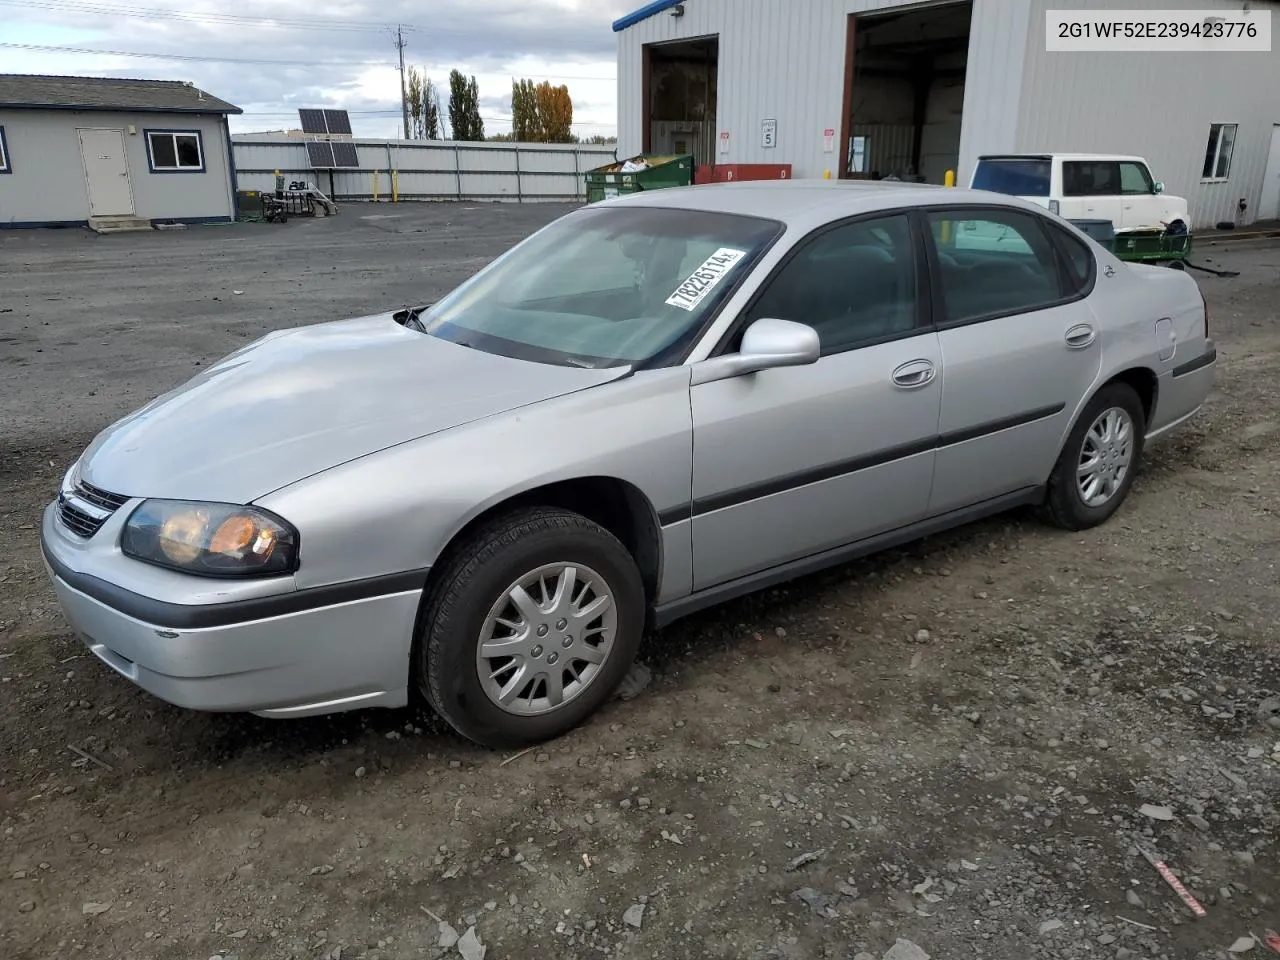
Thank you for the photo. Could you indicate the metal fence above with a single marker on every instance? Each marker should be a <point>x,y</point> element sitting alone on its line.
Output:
<point>429,169</point>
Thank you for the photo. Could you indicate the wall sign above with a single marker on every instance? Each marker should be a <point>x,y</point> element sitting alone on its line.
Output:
<point>768,133</point>
<point>828,140</point>
<point>724,141</point>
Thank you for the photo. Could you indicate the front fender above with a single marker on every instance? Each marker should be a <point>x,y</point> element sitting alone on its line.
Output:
<point>396,510</point>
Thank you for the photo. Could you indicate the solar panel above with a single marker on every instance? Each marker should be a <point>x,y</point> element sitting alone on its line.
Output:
<point>320,153</point>
<point>312,121</point>
<point>344,154</point>
<point>338,122</point>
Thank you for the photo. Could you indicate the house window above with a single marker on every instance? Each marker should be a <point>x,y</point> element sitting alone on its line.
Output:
<point>1217,155</point>
<point>5,166</point>
<point>175,151</point>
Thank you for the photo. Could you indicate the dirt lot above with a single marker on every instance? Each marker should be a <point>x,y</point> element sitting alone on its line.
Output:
<point>950,745</point>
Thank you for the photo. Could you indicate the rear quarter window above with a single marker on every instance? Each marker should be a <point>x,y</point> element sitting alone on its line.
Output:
<point>1013,176</point>
<point>1077,258</point>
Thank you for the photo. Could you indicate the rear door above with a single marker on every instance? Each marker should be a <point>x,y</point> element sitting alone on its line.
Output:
<point>1020,348</point>
<point>794,461</point>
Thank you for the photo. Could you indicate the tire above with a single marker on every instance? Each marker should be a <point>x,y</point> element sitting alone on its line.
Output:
<point>1065,503</point>
<point>474,589</point>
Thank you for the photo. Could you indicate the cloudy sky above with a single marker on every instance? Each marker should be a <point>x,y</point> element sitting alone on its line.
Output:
<point>271,57</point>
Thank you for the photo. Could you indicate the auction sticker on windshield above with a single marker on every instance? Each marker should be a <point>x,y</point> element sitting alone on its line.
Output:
<point>702,281</point>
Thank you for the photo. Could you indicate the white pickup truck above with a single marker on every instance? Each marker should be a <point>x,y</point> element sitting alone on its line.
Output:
<point>1086,186</point>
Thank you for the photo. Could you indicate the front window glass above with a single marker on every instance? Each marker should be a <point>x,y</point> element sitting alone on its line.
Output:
<point>604,286</point>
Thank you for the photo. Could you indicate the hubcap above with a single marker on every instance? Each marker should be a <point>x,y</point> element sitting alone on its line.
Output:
<point>522,667</point>
<point>1105,457</point>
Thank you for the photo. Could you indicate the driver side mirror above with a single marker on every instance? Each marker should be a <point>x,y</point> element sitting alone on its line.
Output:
<point>767,343</point>
<point>1159,187</point>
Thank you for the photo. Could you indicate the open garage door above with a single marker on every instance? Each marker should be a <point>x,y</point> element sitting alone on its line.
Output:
<point>680,98</point>
<point>904,92</point>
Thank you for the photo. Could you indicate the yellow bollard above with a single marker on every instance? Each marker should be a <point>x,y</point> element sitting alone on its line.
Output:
<point>395,186</point>
<point>375,186</point>
<point>826,174</point>
<point>949,178</point>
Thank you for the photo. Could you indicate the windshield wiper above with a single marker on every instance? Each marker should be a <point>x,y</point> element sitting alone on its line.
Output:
<point>408,317</point>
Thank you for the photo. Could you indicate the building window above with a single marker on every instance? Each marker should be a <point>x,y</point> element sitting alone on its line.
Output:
<point>1217,155</point>
<point>175,151</point>
<point>5,165</point>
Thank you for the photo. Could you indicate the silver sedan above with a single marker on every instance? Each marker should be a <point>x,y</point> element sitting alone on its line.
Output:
<point>650,406</point>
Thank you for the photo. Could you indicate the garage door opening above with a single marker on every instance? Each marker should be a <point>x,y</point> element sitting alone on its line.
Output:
<point>680,98</point>
<point>904,92</point>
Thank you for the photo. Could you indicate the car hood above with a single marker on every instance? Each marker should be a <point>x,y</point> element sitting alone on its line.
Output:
<point>301,401</point>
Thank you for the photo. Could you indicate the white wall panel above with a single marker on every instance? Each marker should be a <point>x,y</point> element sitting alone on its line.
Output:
<point>784,60</point>
<point>1156,105</point>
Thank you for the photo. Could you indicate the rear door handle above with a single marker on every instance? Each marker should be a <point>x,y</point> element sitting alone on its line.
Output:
<point>1081,336</point>
<point>915,373</point>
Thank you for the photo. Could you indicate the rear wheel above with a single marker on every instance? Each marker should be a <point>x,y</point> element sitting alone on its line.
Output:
<point>1096,468</point>
<point>530,627</point>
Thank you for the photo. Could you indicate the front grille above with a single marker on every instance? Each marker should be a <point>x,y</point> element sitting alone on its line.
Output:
<point>84,508</point>
<point>100,498</point>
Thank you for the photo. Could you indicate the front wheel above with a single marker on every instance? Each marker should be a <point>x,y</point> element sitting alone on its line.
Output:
<point>1096,468</point>
<point>529,629</point>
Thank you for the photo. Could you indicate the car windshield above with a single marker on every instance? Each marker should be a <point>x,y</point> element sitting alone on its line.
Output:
<point>604,286</point>
<point>1017,177</point>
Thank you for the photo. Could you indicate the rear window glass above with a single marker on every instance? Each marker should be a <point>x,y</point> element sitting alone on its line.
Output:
<point>1016,177</point>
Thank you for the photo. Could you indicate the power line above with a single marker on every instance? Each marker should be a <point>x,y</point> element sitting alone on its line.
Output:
<point>42,48</point>
<point>154,13</point>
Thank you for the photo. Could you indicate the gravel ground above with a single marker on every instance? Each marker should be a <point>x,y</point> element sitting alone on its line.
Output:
<point>956,750</point>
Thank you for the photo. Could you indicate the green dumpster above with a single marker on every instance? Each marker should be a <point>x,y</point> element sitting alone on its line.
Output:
<point>643,172</point>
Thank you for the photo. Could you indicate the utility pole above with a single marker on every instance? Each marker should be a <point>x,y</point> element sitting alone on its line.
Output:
<point>404,97</point>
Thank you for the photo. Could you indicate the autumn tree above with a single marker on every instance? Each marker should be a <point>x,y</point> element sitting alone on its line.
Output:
<point>464,107</point>
<point>555,113</point>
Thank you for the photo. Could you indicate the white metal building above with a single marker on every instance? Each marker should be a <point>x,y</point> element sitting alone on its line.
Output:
<point>859,88</point>
<point>76,149</point>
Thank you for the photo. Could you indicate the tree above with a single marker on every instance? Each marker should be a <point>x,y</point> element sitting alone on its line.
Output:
<point>555,113</point>
<point>542,113</point>
<point>525,127</point>
<point>464,108</point>
<point>432,120</point>
<point>424,107</point>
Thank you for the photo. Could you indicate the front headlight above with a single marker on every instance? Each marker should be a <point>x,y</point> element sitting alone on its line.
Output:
<point>210,539</point>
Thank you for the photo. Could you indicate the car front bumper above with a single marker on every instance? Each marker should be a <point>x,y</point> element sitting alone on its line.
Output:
<point>275,656</point>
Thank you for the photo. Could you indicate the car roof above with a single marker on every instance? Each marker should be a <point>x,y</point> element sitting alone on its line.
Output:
<point>805,203</point>
<point>1061,156</point>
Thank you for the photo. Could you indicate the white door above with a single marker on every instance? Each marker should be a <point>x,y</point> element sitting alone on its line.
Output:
<point>1269,208</point>
<point>106,170</point>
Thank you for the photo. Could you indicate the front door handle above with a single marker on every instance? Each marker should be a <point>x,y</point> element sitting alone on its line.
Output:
<point>1081,336</point>
<point>916,373</point>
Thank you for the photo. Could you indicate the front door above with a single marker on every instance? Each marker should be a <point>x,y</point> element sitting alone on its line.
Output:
<point>106,170</point>
<point>794,461</point>
<point>1142,206</point>
<point>1269,208</point>
<point>1021,349</point>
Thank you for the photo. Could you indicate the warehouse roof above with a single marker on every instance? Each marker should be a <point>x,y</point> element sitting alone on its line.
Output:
<point>644,13</point>
<point>32,92</point>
